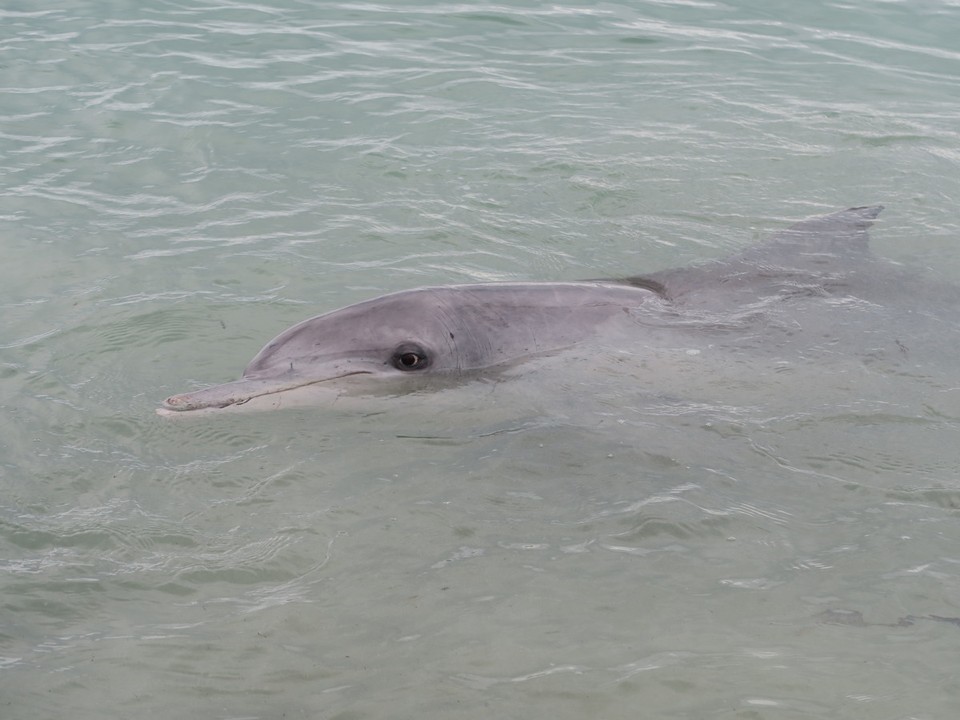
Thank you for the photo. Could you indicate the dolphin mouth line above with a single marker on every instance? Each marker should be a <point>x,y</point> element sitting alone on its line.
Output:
<point>182,402</point>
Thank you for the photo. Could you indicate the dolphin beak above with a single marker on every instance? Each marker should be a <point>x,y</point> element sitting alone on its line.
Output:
<point>241,391</point>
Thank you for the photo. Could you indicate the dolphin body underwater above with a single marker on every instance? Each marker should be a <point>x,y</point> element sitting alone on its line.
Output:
<point>794,294</point>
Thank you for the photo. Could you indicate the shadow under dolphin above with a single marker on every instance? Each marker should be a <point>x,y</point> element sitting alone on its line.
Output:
<point>437,335</point>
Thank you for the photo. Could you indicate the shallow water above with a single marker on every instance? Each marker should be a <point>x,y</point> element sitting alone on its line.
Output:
<point>669,536</point>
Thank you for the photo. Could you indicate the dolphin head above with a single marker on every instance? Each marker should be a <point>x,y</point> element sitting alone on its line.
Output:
<point>396,337</point>
<point>398,342</point>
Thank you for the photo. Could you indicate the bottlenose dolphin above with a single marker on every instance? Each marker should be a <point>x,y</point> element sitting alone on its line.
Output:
<point>427,335</point>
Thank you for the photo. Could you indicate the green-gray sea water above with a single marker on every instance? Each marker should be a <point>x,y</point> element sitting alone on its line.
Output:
<point>183,179</point>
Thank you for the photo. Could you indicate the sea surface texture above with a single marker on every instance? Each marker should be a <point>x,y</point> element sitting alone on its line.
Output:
<point>627,533</point>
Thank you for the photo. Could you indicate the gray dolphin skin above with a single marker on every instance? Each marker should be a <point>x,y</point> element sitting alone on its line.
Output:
<point>460,331</point>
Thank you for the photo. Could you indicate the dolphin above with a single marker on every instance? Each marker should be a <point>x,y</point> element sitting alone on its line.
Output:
<point>427,336</point>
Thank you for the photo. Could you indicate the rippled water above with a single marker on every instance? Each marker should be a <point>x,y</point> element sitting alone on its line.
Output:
<point>182,180</point>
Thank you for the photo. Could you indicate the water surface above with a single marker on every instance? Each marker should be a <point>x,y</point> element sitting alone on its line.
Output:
<point>182,180</point>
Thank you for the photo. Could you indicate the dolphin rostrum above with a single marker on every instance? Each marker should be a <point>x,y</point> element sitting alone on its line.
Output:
<point>458,331</point>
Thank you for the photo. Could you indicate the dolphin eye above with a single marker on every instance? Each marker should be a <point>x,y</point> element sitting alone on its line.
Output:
<point>410,357</point>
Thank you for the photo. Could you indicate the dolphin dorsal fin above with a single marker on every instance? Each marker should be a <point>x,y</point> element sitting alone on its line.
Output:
<point>835,242</point>
<point>840,235</point>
